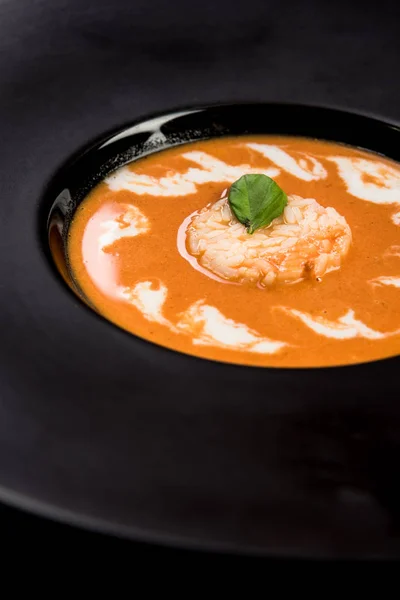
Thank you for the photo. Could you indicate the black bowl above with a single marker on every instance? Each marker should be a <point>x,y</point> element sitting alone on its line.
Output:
<point>162,446</point>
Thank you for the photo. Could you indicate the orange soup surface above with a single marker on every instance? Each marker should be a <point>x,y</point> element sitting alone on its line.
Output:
<point>152,251</point>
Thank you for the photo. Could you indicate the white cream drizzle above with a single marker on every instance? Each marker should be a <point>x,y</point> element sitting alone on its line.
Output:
<point>132,222</point>
<point>385,189</point>
<point>214,170</point>
<point>205,324</point>
<point>392,251</point>
<point>344,328</point>
<point>396,218</point>
<point>209,327</point>
<point>174,184</point>
<point>182,184</point>
<point>149,300</point>
<point>386,280</point>
<point>307,167</point>
<point>114,222</point>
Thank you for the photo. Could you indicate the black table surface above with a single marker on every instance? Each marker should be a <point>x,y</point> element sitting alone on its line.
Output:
<point>18,526</point>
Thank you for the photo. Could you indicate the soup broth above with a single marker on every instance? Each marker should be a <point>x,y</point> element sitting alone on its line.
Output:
<point>134,252</point>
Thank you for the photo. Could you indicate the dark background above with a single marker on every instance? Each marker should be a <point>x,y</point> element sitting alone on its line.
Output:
<point>60,56</point>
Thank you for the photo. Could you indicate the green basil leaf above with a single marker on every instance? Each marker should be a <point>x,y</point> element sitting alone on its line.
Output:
<point>256,200</point>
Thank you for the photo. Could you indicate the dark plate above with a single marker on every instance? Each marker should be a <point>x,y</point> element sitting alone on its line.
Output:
<point>101,429</point>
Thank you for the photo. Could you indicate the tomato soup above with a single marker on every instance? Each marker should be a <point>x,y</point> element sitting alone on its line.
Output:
<point>156,250</point>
